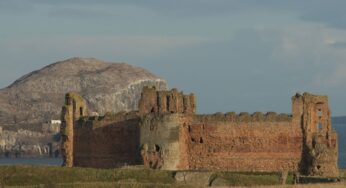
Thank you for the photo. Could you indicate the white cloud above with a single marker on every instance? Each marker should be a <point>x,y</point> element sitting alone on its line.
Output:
<point>318,52</point>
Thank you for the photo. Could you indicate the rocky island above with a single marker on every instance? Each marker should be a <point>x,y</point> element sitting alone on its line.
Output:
<point>30,108</point>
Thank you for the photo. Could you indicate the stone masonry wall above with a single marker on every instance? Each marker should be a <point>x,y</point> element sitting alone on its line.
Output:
<point>167,134</point>
<point>72,111</point>
<point>107,142</point>
<point>159,138</point>
<point>241,145</point>
<point>320,140</point>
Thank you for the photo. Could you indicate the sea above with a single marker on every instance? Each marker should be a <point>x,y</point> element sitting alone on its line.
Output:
<point>31,161</point>
<point>339,127</point>
<point>341,130</point>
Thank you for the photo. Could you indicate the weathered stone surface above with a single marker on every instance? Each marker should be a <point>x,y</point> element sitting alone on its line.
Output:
<point>320,140</point>
<point>161,102</point>
<point>104,142</point>
<point>220,182</point>
<point>283,177</point>
<point>242,146</point>
<point>115,140</point>
<point>73,110</point>
<point>193,178</point>
<point>159,138</point>
<point>175,139</point>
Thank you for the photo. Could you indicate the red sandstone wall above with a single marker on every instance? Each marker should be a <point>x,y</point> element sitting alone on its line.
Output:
<point>182,140</point>
<point>241,146</point>
<point>106,144</point>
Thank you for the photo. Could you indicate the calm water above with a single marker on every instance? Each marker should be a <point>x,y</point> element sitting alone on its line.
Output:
<point>340,128</point>
<point>32,161</point>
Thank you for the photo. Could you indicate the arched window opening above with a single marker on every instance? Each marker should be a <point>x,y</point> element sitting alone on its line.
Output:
<point>157,148</point>
<point>167,103</point>
<point>319,112</point>
<point>319,126</point>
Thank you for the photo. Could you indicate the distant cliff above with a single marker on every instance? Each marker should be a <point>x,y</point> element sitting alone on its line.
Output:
<point>38,96</point>
<point>24,143</point>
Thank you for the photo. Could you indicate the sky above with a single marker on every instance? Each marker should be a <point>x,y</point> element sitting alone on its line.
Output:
<point>235,55</point>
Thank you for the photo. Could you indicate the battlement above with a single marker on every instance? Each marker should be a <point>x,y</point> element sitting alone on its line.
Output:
<point>161,102</point>
<point>165,133</point>
<point>245,117</point>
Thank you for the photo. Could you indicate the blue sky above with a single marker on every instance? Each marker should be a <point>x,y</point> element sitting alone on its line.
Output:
<point>235,55</point>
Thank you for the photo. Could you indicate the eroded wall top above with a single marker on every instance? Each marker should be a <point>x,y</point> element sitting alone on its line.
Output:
<point>162,102</point>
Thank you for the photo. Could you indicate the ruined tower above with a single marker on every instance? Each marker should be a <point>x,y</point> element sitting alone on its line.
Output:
<point>74,108</point>
<point>312,113</point>
<point>161,102</point>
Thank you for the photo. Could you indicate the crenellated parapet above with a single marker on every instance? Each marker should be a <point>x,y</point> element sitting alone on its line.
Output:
<point>162,102</point>
<point>244,117</point>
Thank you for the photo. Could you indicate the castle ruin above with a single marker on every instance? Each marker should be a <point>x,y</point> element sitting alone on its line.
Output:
<point>166,133</point>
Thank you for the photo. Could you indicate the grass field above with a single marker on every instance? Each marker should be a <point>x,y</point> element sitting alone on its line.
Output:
<point>53,176</point>
<point>23,175</point>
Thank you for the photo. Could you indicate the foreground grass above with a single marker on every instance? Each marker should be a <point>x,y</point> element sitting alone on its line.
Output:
<point>22,175</point>
<point>252,179</point>
<point>53,176</point>
<point>343,174</point>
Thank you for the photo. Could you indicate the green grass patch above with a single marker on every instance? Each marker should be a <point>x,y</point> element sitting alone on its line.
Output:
<point>252,178</point>
<point>24,175</point>
<point>342,174</point>
<point>54,176</point>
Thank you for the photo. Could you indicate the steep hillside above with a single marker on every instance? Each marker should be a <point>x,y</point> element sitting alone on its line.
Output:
<point>38,96</point>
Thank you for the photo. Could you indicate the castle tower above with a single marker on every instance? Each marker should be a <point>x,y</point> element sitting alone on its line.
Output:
<point>161,102</point>
<point>148,100</point>
<point>75,107</point>
<point>312,113</point>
